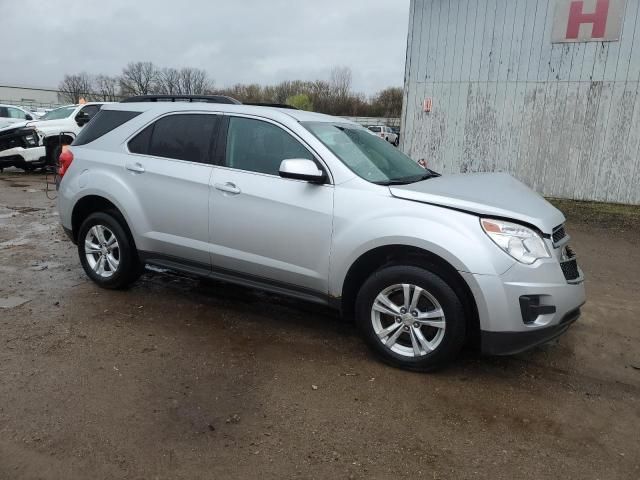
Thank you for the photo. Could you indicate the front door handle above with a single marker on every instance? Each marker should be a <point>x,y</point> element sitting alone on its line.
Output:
<point>227,187</point>
<point>135,167</point>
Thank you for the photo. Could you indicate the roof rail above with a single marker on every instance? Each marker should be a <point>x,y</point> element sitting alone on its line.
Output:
<point>182,98</point>
<point>275,105</point>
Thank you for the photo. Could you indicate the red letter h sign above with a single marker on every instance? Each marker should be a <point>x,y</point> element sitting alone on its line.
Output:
<point>577,17</point>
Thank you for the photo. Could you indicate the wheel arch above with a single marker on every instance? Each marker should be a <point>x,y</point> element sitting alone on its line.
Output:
<point>89,204</point>
<point>396,254</point>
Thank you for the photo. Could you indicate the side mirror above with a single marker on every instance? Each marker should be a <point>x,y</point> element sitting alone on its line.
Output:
<point>82,119</point>
<point>28,117</point>
<point>302,169</point>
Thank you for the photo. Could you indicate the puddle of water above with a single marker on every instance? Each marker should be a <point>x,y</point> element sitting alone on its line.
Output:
<point>25,209</point>
<point>12,302</point>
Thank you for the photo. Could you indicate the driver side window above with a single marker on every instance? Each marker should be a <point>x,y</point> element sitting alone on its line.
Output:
<point>258,146</point>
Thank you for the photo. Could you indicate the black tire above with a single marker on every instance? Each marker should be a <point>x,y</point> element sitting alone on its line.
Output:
<point>129,267</point>
<point>397,142</point>
<point>454,332</point>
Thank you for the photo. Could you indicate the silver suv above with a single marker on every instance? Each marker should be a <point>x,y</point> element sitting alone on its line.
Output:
<point>315,207</point>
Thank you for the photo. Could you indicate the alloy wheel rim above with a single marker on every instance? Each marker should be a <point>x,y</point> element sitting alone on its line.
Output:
<point>102,251</point>
<point>408,320</point>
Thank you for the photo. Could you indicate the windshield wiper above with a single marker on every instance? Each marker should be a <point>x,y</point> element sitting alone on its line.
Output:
<point>409,180</point>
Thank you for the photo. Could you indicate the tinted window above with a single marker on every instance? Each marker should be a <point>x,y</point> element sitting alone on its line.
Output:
<point>374,129</point>
<point>140,143</point>
<point>91,110</point>
<point>103,123</point>
<point>3,112</point>
<point>259,146</point>
<point>183,137</point>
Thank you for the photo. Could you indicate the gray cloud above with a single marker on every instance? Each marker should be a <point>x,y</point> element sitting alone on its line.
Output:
<point>241,41</point>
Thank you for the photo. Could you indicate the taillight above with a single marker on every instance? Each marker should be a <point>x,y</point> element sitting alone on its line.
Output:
<point>64,160</point>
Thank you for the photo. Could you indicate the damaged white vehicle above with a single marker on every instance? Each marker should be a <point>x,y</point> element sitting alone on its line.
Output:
<point>34,144</point>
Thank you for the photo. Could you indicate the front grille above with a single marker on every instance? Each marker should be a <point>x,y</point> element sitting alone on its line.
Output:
<point>570,269</point>
<point>558,234</point>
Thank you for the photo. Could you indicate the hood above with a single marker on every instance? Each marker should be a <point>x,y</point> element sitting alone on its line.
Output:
<point>490,194</point>
<point>38,124</point>
<point>11,126</point>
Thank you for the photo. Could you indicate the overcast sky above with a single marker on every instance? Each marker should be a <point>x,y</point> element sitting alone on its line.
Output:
<point>236,41</point>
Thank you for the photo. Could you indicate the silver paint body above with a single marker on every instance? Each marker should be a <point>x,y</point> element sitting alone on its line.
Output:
<point>307,235</point>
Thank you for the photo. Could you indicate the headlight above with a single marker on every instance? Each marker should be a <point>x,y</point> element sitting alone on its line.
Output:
<point>31,139</point>
<point>522,243</point>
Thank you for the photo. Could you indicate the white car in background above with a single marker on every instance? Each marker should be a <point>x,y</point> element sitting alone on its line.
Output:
<point>55,128</point>
<point>385,133</point>
<point>10,114</point>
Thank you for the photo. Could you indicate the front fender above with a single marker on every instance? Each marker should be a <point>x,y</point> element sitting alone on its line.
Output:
<point>454,236</point>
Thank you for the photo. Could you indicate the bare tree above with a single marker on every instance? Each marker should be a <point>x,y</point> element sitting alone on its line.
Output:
<point>139,78</point>
<point>387,102</point>
<point>194,81</point>
<point>74,87</point>
<point>168,82</point>
<point>340,81</point>
<point>106,88</point>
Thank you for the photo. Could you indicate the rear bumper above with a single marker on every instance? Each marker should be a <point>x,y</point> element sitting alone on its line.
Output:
<point>509,343</point>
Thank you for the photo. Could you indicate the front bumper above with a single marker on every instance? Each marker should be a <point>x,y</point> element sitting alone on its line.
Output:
<point>505,328</point>
<point>509,343</point>
<point>28,155</point>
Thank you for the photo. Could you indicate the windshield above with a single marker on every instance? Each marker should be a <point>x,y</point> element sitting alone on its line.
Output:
<point>368,156</point>
<point>58,113</point>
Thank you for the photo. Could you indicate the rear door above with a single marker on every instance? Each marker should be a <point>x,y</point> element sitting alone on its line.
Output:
<point>265,227</point>
<point>169,170</point>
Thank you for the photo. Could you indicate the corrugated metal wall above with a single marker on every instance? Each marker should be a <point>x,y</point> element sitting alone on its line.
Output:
<point>563,118</point>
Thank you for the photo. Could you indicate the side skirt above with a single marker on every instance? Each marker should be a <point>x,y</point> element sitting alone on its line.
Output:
<point>236,278</point>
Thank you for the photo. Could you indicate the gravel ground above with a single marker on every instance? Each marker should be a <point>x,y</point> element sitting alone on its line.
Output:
<point>183,379</point>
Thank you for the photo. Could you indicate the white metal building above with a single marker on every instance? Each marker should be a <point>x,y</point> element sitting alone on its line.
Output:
<point>547,90</point>
<point>26,96</point>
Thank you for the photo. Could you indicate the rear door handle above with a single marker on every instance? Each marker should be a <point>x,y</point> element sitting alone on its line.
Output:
<point>227,187</point>
<point>135,167</point>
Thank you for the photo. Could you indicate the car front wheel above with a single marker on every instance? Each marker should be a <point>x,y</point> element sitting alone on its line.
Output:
<point>106,251</point>
<point>411,318</point>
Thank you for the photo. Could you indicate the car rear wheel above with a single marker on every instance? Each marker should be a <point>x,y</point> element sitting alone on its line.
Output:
<point>411,317</point>
<point>106,251</point>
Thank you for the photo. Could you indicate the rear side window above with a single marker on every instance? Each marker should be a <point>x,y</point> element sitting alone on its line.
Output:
<point>182,137</point>
<point>103,123</point>
<point>375,129</point>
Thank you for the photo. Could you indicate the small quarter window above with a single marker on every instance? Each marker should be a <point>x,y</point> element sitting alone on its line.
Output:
<point>104,122</point>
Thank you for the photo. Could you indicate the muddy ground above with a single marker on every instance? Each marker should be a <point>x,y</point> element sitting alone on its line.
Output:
<point>180,379</point>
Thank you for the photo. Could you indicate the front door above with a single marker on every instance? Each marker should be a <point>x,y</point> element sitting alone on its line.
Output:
<point>263,226</point>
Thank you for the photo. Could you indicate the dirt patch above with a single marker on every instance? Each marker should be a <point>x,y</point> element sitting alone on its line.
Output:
<point>183,379</point>
<point>600,215</point>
